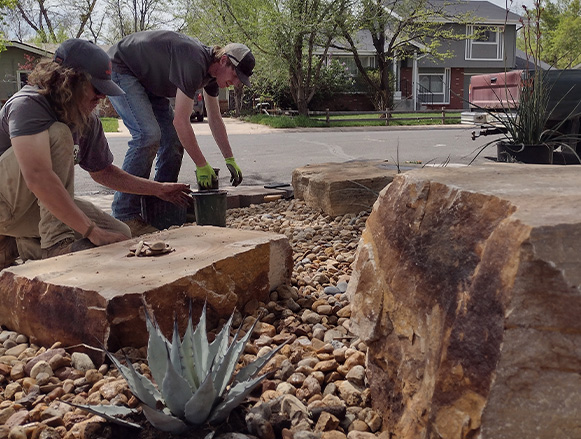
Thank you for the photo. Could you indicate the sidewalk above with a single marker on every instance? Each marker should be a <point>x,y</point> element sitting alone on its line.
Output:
<point>236,126</point>
<point>233,126</point>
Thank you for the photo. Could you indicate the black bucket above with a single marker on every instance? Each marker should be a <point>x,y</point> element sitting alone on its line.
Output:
<point>162,214</point>
<point>210,207</point>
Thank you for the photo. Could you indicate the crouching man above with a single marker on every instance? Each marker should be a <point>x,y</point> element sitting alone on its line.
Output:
<point>45,129</point>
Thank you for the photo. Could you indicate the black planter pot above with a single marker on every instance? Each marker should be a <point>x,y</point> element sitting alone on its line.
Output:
<point>533,154</point>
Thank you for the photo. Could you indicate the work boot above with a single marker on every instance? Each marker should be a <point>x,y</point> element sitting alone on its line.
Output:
<point>67,245</point>
<point>139,227</point>
<point>8,251</point>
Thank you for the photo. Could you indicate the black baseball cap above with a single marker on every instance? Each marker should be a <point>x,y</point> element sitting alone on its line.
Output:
<point>87,57</point>
<point>242,59</point>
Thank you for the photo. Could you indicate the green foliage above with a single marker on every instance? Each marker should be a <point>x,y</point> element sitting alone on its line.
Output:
<point>195,379</point>
<point>284,34</point>
<point>561,27</point>
<point>284,121</point>
<point>334,78</point>
<point>354,120</point>
<point>110,124</point>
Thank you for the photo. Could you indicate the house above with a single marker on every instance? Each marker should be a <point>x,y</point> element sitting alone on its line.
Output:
<point>16,62</point>
<point>422,81</point>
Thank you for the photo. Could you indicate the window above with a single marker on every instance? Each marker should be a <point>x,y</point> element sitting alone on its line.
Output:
<point>486,43</point>
<point>22,78</point>
<point>349,62</point>
<point>434,88</point>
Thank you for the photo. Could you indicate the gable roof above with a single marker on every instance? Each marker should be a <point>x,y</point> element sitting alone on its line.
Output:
<point>487,12</point>
<point>30,48</point>
<point>522,63</point>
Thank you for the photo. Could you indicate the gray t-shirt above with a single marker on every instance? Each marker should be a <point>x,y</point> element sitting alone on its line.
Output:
<point>164,61</point>
<point>28,113</point>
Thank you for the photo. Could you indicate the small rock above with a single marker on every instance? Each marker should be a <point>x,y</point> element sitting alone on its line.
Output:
<point>326,422</point>
<point>355,434</point>
<point>358,425</point>
<point>333,435</point>
<point>82,362</point>
<point>16,350</point>
<point>356,375</point>
<point>41,367</point>
<point>17,433</point>
<point>11,389</point>
<point>349,393</point>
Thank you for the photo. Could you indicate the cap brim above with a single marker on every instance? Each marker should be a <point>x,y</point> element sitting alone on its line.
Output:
<point>107,87</point>
<point>243,78</point>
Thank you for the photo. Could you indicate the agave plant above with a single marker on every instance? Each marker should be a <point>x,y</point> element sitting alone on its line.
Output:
<point>195,383</point>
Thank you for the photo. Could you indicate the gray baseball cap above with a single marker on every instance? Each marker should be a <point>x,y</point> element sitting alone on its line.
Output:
<point>242,59</point>
<point>87,57</point>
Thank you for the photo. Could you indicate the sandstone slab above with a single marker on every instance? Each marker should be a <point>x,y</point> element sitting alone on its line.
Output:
<point>96,297</point>
<point>466,289</point>
<point>341,188</point>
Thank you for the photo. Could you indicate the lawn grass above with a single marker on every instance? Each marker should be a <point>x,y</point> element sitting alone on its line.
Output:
<point>340,121</point>
<point>110,124</point>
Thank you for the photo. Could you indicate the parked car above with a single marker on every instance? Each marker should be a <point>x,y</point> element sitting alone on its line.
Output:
<point>199,109</point>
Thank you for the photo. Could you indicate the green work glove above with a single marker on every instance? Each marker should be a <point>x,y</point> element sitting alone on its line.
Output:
<point>235,172</point>
<point>206,176</point>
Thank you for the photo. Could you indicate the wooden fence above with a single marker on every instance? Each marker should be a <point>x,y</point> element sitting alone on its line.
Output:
<point>389,116</point>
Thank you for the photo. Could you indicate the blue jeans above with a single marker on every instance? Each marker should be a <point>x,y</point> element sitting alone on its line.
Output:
<point>149,119</point>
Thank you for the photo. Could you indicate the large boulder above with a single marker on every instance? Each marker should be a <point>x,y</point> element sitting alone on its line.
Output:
<point>341,188</point>
<point>466,288</point>
<point>96,297</point>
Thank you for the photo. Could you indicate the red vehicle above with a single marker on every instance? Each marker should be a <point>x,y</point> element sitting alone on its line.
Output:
<point>500,93</point>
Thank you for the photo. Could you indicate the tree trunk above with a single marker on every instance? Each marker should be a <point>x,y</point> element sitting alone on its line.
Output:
<point>238,99</point>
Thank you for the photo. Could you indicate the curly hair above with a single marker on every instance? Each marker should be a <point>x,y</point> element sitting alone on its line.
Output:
<point>65,89</point>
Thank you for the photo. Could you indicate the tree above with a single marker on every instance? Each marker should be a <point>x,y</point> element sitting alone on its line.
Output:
<point>49,21</point>
<point>283,31</point>
<point>129,16</point>
<point>397,27</point>
<point>560,30</point>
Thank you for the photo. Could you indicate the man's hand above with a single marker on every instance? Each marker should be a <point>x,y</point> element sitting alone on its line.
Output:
<point>205,176</point>
<point>176,193</point>
<point>99,236</point>
<point>235,172</point>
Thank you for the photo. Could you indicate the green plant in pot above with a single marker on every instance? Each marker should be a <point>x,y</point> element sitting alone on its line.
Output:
<point>532,119</point>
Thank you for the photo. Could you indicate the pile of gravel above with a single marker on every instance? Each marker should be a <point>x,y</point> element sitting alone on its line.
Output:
<point>317,386</point>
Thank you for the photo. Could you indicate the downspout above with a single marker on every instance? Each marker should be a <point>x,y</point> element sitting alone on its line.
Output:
<point>416,79</point>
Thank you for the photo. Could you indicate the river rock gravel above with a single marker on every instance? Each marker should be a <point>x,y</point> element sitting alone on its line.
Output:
<point>316,388</point>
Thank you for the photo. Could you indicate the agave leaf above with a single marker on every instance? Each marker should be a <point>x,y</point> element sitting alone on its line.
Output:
<point>188,355</point>
<point>202,358</point>
<point>223,371</point>
<point>175,353</point>
<point>157,348</point>
<point>140,385</point>
<point>164,422</point>
<point>219,346</point>
<point>253,368</point>
<point>109,412</point>
<point>233,398</point>
<point>175,390</point>
<point>200,404</point>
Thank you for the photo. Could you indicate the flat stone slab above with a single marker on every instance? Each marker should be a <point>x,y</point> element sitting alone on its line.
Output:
<point>466,289</point>
<point>95,297</point>
<point>341,188</point>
